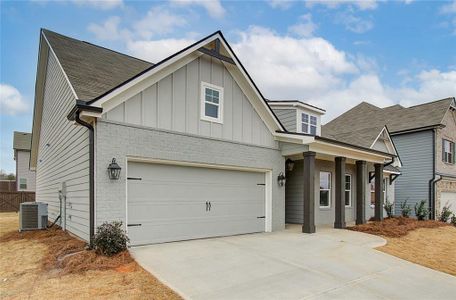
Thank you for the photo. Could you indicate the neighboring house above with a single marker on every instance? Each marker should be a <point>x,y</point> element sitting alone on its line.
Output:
<point>425,137</point>
<point>200,150</point>
<point>303,118</point>
<point>25,178</point>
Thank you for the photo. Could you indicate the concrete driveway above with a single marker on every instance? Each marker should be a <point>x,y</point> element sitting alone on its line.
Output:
<point>331,264</point>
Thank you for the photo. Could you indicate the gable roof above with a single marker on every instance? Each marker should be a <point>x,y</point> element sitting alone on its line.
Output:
<point>295,103</point>
<point>92,70</point>
<point>358,121</point>
<point>22,140</point>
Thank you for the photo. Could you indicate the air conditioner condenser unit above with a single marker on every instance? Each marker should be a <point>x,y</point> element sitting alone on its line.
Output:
<point>33,216</point>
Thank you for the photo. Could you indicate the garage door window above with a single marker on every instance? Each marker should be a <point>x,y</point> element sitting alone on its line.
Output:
<point>325,189</point>
<point>211,102</point>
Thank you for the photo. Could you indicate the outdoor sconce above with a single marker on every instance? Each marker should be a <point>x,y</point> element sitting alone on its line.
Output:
<point>289,164</point>
<point>114,170</point>
<point>281,179</point>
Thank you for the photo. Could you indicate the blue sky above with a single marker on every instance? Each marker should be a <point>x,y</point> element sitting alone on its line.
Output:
<point>333,54</point>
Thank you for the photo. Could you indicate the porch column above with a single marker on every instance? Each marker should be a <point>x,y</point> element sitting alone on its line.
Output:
<point>361,176</point>
<point>340,193</point>
<point>378,192</point>
<point>308,225</point>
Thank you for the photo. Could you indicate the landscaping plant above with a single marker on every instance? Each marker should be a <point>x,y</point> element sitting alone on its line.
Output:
<point>405,209</point>
<point>110,238</point>
<point>453,220</point>
<point>445,214</point>
<point>421,210</point>
<point>389,208</point>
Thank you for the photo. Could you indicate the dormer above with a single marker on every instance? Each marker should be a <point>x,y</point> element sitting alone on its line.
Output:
<point>297,116</point>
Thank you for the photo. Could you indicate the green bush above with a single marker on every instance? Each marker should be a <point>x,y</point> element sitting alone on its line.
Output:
<point>389,208</point>
<point>445,214</point>
<point>421,210</point>
<point>405,209</point>
<point>453,220</point>
<point>110,238</point>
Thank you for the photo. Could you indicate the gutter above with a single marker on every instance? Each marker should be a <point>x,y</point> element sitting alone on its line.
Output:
<point>432,181</point>
<point>74,115</point>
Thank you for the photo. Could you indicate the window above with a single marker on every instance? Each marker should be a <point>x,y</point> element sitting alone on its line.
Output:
<point>308,124</point>
<point>211,102</point>
<point>372,188</point>
<point>325,189</point>
<point>23,183</point>
<point>448,151</point>
<point>348,184</point>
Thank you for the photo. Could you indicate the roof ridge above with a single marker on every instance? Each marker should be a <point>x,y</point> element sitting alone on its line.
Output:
<point>431,102</point>
<point>95,45</point>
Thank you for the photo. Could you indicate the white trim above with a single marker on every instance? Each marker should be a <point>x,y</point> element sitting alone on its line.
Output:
<point>220,90</point>
<point>393,150</point>
<point>299,115</point>
<point>348,152</point>
<point>267,172</point>
<point>329,190</point>
<point>289,104</point>
<point>60,65</point>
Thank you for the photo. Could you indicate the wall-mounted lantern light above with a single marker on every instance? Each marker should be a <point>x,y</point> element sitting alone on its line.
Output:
<point>281,179</point>
<point>114,170</point>
<point>289,164</point>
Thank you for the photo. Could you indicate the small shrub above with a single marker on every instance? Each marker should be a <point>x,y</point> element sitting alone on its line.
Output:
<point>110,238</point>
<point>445,214</point>
<point>453,220</point>
<point>405,209</point>
<point>389,208</point>
<point>421,210</point>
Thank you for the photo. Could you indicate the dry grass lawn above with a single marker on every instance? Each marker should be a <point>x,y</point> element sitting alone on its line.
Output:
<point>428,243</point>
<point>53,265</point>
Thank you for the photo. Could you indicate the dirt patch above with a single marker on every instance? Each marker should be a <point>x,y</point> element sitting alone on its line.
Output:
<point>52,264</point>
<point>430,247</point>
<point>395,227</point>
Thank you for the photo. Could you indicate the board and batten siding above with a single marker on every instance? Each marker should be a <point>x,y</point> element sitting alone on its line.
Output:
<point>415,151</point>
<point>287,117</point>
<point>174,104</point>
<point>63,154</point>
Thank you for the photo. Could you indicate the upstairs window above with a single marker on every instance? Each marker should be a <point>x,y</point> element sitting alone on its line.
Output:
<point>211,102</point>
<point>23,183</point>
<point>448,151</point>
<point>308,124</point>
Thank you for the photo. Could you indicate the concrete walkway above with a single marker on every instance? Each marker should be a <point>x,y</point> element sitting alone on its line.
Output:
<point>331,264</point>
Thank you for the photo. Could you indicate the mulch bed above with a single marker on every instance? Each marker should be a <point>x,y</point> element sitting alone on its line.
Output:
<point>68,255</point>
<point>396,226</point>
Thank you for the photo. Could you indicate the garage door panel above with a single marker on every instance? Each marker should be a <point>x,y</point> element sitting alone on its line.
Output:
<point>169,202</point>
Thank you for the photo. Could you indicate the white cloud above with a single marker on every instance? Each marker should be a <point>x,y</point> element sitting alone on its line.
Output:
<point>109,30</point>
<point>332,4</point>
<point>11,100</point>
<point>354,23</point>
<point>305,27</point>
<point>100,4</point>
<point>280,4</point>
<point>158,21</point>
<point>157,50</point>
<point>449,8</point>
<point>213,7</point>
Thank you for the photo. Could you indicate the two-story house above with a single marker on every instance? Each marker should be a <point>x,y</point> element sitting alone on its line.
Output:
<point>25,178</point>
<point>425,137</point>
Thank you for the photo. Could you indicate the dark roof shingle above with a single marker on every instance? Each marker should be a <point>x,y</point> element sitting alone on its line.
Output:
<point>362,123</point>
<point>93,70</point>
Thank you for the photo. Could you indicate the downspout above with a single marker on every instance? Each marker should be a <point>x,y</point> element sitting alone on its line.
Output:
<point>432,181</point>
<point>91,177</point>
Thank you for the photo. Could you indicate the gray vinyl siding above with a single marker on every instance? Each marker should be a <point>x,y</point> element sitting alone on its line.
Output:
<point>63,154</point>
<point>287,117</point>
<point>295,190</point>
<point>415,151</point>
<point>23,171</point>
<point>120,140</point>
<point>174,103</point>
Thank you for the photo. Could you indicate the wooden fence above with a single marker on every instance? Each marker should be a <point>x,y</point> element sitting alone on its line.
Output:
<point>10,201</point>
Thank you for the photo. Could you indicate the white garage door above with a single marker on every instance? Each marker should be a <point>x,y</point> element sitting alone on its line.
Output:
<point>448,198</point>
<point>171,203</point>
